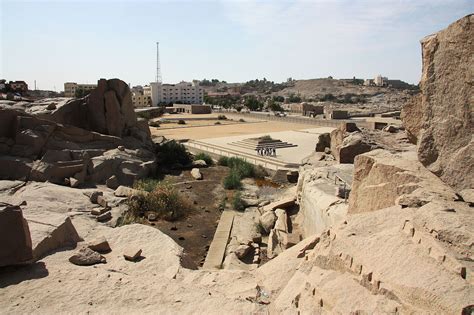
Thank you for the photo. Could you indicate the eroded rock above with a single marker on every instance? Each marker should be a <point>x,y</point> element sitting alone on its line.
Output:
<point>87,257</point>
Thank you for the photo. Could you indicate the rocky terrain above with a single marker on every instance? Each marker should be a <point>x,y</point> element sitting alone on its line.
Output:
<point>386,225</point>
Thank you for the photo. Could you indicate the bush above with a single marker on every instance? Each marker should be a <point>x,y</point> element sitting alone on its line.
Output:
<point>237,202</point>
<point>203,156</point>
<point>242,120</point>
<point>223,161</point>
<point>164,200</point>
<point>242,167</point>
<point>146,184</point>
<point>172,152</point>
<point>217,123</point>
<point>232,181</point>
<point>238,169</point>
<point>221,117</point>
<point>181,122</point>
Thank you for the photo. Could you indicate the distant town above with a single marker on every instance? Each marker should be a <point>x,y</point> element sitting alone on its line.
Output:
<point>254,95</point>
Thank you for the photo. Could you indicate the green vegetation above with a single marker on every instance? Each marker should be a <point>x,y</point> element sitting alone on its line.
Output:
<point>241,120</point>
<point>253,103</point>
<point>262,86</point>
<point>172,152</point>
<point>163,200</point>
<point>223,161</point>
<point>274,106</point>
<point>181,122</point>
<point>278,98</point>
<point>232,181</point>
<point>237,202</point>
<point>239,169</point>
<point>221,117</point>
<point>147,184</point>
<point>294,98</point>
<point>203,156</point>
<point>217,123</point>
<point>154,124</point>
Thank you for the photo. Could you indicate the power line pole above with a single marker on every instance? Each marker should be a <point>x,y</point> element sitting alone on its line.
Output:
<point>158,70</point>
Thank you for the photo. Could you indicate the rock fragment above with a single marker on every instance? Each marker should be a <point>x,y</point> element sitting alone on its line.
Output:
<point>132,254</point>
<point>86,257</point>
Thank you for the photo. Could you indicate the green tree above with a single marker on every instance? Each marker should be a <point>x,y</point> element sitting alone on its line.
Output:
<point>253,103</point>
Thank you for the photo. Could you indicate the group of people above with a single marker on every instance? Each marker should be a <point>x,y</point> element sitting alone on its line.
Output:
<point>267,151</point>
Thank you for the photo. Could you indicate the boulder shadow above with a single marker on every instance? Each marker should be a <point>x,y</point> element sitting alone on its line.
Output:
<point>11,275</point>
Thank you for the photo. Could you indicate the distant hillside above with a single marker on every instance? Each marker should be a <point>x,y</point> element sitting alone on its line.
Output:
<point>314,88</point>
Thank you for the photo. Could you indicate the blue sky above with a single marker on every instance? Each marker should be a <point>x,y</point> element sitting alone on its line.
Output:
<point>81,41</point>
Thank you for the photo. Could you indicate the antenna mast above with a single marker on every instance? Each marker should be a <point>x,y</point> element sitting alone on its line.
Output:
<point>158,70</point>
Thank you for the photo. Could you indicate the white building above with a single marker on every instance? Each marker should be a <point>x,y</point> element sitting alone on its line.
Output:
<point>185,92</point>
<point>380,81</point>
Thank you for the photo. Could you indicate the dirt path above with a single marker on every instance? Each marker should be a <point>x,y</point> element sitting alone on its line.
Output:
<point>195,231</point>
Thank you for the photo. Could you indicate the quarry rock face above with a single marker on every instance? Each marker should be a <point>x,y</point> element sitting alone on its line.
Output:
<point>412,117</point>
<point>77,140</point>
<point>445,141</point>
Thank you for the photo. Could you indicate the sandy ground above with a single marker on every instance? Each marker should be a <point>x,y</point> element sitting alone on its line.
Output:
<point>305,140</point>
<point>215,131</point>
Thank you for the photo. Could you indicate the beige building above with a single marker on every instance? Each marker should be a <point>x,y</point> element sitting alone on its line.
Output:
<point>140,100</point>
<point>70,88</point>
<point>185,92</point>
<point>191,108</point>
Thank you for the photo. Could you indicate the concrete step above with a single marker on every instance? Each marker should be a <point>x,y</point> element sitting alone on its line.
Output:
<point>215,255</point>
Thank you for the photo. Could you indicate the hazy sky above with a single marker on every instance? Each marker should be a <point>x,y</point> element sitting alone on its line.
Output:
<point>57,41</point>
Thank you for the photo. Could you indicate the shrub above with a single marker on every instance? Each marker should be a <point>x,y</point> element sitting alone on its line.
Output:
<point>181,122</point>
<point>146,184</point>
<point>154,124</point>
<point>203,156</point>
<point>164,200</point>
<point>242,120</point>
<point>172,152</point>
<point>223,161</point>
<point>217,123</point>
<point>237,202</point>
<point>221,117</point>
<point>232,181</point>
<point>242,167</point>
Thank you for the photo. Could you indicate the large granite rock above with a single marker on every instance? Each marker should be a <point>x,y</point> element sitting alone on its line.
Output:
<point>15,236</point>
<point>72,143</point>
<point>108,109</point>
<point>412,117</point>
<point>347,141</point>
<point>382,179</point>
<point>445,137</point>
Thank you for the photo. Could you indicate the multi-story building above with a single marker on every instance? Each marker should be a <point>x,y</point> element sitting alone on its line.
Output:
<point>140,100</point>
<point>70,88</point>
<point>184,92</point>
